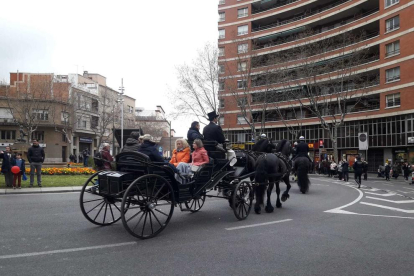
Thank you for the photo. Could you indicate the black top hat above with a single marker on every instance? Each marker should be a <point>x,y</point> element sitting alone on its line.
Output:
<point>212,115</point>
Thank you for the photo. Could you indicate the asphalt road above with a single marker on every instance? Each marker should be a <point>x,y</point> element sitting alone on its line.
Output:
<point>336,229</point>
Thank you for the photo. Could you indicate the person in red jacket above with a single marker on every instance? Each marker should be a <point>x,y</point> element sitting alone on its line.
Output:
<point>107,157</point>
<point>200,155</point>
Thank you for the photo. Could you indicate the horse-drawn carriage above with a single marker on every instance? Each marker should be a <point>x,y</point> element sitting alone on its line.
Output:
<point>143,194</point>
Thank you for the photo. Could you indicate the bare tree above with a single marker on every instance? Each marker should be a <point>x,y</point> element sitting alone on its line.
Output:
<point>333,83</point>
<point>109,115</point>
<point>30,103</point>
<point>198,89</point>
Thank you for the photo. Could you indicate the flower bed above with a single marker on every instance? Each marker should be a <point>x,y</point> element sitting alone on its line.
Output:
<point>65,171</point>
<point>75,164</point>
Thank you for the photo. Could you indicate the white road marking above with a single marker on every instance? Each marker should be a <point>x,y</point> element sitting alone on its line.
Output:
<point>393,201</point>
<point>408,188</point>
<point>70,250</point>
<point>371,215</point>
<point>405,192</point>
<point>339,210</point>
<point>388,194</point>
<point>389,208</point>
<point>389,185</point>
<point>258,224</point>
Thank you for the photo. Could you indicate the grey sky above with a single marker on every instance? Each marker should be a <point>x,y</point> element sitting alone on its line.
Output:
<point>141,41</point>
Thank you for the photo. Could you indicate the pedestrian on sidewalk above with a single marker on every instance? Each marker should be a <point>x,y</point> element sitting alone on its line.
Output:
<point>106,159</point>
<point>36,156</point>
<point>21,163</point>
<point>406,170</point>
<point>365,170</point>
<point>345,170</point>
<point>387,172</point>
<point>85,155</point>
<point>358,169</point>
<point>332,168</point>
<point>340,175</point>
<point>6,166</point>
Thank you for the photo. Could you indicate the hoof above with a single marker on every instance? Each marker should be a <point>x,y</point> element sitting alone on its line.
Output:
<point>285,197</point>
<point>302,191</point>
<point>258,210</point>
<point>278,205</point>
<point>269,209</point>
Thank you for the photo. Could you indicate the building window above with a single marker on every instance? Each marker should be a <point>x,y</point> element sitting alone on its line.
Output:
<point>221,85</point>
<point>393,100</point>
<point>64,117</point>
<point>221,69</point>
<point>222,2</point>
<point>221,120</point>
<point>221,103</point>
<point>222,34</point>
<point>242,48</point>
<point>241,84</point>
<point>242,30</point>
<point>242,101</point>
<point>84,123</point>
<point>221,52</point>
<point>41,115</point>
<point>241,120</point>
<point>94,122</point>
<point>64,138</point>
<point>242,66</point>
<point>392,74</point>
<point>8,135</point>
<point>392,48</point>
<point>241,137</point>
<point>391,2</point>
<point>242,12</point>
<point>392,24</point>
<point>222,16</point>
<point>130,109</point>
<point>38,135</point>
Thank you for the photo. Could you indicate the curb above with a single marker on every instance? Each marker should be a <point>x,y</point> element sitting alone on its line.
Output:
<point>42,190</point>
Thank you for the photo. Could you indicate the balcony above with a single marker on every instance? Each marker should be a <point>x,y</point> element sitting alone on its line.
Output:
<point>306,14</point>
<point>292,54</point>
<point>263,6</point>
<point>301,33</point>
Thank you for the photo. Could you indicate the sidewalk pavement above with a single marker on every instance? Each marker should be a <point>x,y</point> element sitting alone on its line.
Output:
<point>371,177</point>
<point>38,190</point>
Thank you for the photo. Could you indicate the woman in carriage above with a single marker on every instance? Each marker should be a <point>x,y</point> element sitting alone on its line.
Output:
<point>199,157</point>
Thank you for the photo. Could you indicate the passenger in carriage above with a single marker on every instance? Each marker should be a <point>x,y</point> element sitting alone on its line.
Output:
<point>148,147</point>
<point>199,157</point>
<point>194,132</point>
<point>132,143</point>
<point>181,152</point>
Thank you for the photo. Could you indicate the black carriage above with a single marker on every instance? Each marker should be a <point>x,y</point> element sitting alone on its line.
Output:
<point>144,194</point>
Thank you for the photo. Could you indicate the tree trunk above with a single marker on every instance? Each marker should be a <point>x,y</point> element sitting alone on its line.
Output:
<point>334,140</point>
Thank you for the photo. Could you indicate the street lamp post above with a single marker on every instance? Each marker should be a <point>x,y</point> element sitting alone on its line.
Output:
<point>122,88</point>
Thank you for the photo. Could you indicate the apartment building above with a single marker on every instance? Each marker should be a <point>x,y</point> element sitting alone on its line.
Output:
<point>253,35</point>
<point>73,112</point>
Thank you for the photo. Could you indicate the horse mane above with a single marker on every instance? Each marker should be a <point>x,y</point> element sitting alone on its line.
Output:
<point>284,147</point>
<point>263,145</point>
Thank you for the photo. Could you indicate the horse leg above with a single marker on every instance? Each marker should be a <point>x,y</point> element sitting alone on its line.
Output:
<point>285,194</point>
<point>259,198</point>
<point>278,203</point>
<point>269,208</point>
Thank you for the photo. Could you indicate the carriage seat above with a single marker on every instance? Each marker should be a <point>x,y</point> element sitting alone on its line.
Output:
<point>132,162</point>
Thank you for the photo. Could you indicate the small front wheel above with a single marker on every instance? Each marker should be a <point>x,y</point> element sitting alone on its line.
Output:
<point>195,204</point>
<point>242,200</point>
<point>147,206</point>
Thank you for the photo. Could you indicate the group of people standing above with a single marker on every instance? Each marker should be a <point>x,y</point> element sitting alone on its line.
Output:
<point>388,171</point>
<point>13,178</point>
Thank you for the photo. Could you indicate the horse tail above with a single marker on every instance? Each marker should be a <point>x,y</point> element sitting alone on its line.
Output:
<point>261,170</point>
<point>302,173</point>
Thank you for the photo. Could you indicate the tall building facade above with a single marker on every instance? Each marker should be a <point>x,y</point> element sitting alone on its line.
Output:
<point>253,33</point>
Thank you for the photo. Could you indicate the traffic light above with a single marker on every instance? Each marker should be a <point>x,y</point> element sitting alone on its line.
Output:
<point>321,143</point>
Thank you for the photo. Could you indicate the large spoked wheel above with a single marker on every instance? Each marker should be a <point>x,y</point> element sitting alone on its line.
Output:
<point>242,200</point>
<point>147,206</point>
<point>195,204</point>
<point>98,209</point>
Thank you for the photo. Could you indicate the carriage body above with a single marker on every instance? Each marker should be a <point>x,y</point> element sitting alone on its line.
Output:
<point>144,192</point>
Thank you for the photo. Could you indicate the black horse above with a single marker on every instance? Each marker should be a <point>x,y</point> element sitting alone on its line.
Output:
<point>270,170</point>
<point>302,165</point>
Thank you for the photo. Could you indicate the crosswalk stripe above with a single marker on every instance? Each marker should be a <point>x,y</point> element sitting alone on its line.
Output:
<point>389,194</point>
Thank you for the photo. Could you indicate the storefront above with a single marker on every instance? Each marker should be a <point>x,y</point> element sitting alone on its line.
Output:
<point>400,155</point>
<point>85,143</point>
<point>349,156</point>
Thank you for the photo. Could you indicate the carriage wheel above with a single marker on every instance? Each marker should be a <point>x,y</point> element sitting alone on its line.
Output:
<point>98,209</point>
<point>195,204</point>
<point>242,200</point>
<point>147,206</point>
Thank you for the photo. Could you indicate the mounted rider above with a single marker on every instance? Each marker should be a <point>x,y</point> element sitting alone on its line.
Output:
<point>302,149</point>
